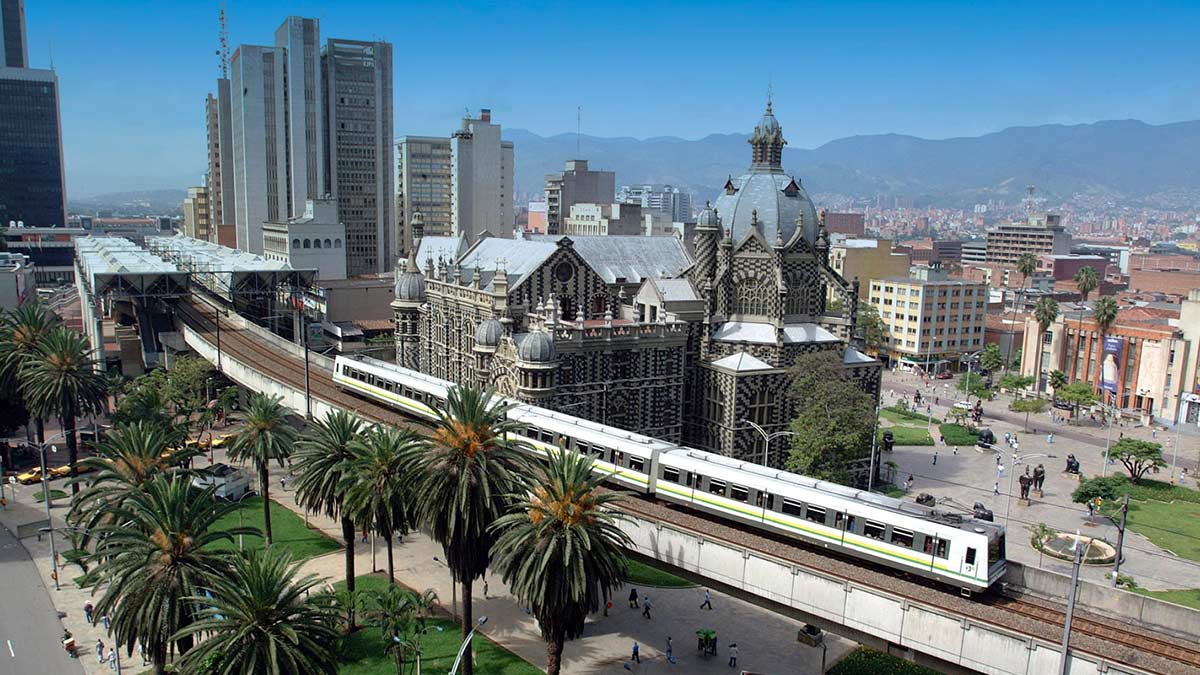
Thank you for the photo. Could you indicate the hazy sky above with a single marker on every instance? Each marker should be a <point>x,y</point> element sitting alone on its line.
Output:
<point>134,75</point>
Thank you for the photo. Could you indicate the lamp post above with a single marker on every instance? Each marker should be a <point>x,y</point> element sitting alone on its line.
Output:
<point>46,498</point>
<point>453,589</point>
<point>767,437</point>
<point>466,643</point>
<point>241,517</point>
<point>1107,435</point>
<point>1080,554</point>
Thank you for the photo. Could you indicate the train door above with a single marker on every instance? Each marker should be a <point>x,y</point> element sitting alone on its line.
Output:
<point>969,561</point>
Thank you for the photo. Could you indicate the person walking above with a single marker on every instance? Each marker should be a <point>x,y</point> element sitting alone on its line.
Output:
<point>100,647</point>
<point>996,488</point>
<point>733,651</point>
<point>670,650</point>
<point>283,483</point>
<point>707,604</point>
<point>112,659</point>
<point>646,607</point>
<point>956,451</point>
<point>637,653</point>
<point>935,457</point>
<point>88,609</point>
<point>633,598</point>
<point>107,622</point>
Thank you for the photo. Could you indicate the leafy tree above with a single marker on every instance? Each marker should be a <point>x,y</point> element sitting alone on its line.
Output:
<point>1139,457</point>
<point>267,437</point>
<point>321,461</point>
<point>13,416</point>
<point>834,418</point>
<point>974,385</point>
<point>1107,489</point>
<point>158,551</point>
<point>1077,395</point>
<point>144,401</point>
<point>1015,362</point>
<point>1016,382</point>
<point>378,492</point>
<point>259,618</point>
<point>466,479</point>
<point>991,358</point>
<point>562,549</point>
<point>1028,405</point>
<point>400,615</point>
<point>871,327</point>
<point>1058,380</point>
<point>62,380</point>
<point>22,332</point>
<point>186,388</point>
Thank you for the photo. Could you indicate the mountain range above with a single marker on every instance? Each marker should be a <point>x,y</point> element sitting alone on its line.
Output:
<point>1121,160</point>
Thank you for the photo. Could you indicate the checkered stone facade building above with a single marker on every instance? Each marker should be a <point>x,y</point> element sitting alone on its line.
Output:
<point>639,332</point>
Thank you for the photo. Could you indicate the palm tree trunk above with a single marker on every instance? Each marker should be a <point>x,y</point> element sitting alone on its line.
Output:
<point>387,536</point>
<point>348,535</point>
<point>468,664</point>
<point>264,481</point>
<point>554,650</point>
<point>68,425</point>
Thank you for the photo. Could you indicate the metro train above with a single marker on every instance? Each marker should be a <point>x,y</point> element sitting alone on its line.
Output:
<point>956,550</point>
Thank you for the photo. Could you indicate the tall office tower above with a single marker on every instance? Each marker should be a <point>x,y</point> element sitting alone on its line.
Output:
<point>12,35</point>
<point>669,202</point>
<point>255,169</point>
<point>481,183</point>
<point>358,148</point>
<point>300,113</point>
<point>220,158</point>
<point>32,178</point>
<point>576,184</point>
<point>423,177</point>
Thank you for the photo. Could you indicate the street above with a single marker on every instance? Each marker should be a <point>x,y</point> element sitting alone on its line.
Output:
<point>29,626</point>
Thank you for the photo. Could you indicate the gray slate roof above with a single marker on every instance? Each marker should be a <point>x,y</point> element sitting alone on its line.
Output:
<point>762,190</point>
<point>676,290</point>
<point>628,257</point>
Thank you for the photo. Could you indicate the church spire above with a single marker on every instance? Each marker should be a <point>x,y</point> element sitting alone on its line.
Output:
<point>767,142</point>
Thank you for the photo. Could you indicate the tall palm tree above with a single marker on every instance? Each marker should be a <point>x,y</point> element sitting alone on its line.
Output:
<point>378,490</point>
<point>156,553</point>
<point>466,479</point>
<point>1105,315</point>
<point>1046,312</point>
<point>1027,265</point>
<point>259,619</point>
<point>267,437</point>
<point>62,380</point>
<point>1086,280</point>
<point>21,334</point>
<point>320,462</point>
<point>562,550</point>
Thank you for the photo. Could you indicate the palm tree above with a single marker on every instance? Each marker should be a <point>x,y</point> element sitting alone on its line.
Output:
<point>377,485</point>
<point>1046,312</point>
<point>259,619</point>
<point>562,550</point>
<point>1105,315</point>
<point>466,479</point>
<point>267,436</point>
<point>1027,265</point>
<point>21,334</point>
<point>1086,280</point>
<point>320,462</point>
<point>159,550</point>
<point>400,614</point>
<point>62,380</point>
<point>1058,379</point>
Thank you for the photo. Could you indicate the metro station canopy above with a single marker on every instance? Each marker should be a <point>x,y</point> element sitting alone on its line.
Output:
<point>117,265</point>
<point>227,272</point>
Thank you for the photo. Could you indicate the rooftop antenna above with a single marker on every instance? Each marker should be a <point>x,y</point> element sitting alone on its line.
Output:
<point>1029,200</point>
<point>578,128</point>
<point>223,42</point>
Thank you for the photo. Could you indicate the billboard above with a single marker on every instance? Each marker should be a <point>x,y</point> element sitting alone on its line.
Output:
<point>1110,364</point>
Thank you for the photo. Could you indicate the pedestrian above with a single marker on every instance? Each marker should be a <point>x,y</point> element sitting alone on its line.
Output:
<point>937,400</point>
<point>87,611</point>
<point>670,651</point>
<point>637,653</point>
<point>364,537</point>
<point>1091,508</point>
<point>283,483</point>
<point>112,659</point>
<point>956,451</point>
<point>1050,439</point>
<point>707,604</point>
<point>1039,477</point>
<point>107,621</point>
<point>646,607</point>
<point>633,598</point>
<point>99,651</point>
<point>996,488</point>
<point>935,457</point>
<point>485,588</point>
<point>142,653</point>
<point>997,459</point>
<point>733,655</point>
<point>999,471</point>
<point>1154,433</point>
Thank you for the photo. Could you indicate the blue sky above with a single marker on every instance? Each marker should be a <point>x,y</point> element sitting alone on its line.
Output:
<point>134,74</point>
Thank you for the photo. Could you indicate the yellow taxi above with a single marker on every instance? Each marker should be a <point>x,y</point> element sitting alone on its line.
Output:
<point>31,476</point>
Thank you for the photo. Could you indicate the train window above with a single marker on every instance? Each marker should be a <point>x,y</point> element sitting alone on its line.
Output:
<point>927,544</point>
<point>996,548</point>
<point>619,458</point>
<point>670,474</point>
<point>692,479</point>
<point>793,508</point>
<point>874,530</point>
<point>764,500</point>
<point>839,519</point>
<point>902,537</point>
<point>598,452</point>
<point>583,448</point>
<point>850,520</point>
<point>815,514</point>
<point>717,487</point>
<point>970,558</point>
<point>942,550</point>
<point>739,493</point>
<point>637,463</point>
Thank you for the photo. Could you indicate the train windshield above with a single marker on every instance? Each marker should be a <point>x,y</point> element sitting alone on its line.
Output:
<point>996,548</point>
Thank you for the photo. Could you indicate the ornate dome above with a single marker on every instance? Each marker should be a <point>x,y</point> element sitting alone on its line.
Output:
<point>410,286</point>
<point>708,218</point>
<point>488,334</point>
<point>537,347</point>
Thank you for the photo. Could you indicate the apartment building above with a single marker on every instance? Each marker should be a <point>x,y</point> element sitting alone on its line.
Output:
<point>929,317</point>
<point>423,173</point>
<point>481,180</point>
<point>866,260</point>
<point>1041,234</point>
<point>576,184</point>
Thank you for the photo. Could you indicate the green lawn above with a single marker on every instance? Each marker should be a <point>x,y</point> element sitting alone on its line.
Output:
<point>287,530</point>
<point>864,661</point>
<point>1189,597</point>
<point>54,494</point>
<point>906,417</point>
<point>957,434</point>
<point>362,653</point>
<point>1174,526</point>
<point>908,435</point>
<point>642,574</point>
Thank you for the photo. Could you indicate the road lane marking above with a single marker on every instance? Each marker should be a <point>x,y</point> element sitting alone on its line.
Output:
<point>10,649</point>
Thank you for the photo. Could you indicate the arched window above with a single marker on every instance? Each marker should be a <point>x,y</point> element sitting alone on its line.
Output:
<point>328,244</point>
<point>752,296</point>
<point>316,243</point>
<point>337,243</point>
<point>296,243</point>
<point>307,243</point>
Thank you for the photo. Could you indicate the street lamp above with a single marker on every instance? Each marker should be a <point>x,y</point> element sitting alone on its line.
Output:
<point>1080,555</point>
<point>241,517</point>
<point>1108,434</point>
<point>46,498</point>
<point>767,437</point>
<point>453,588</point>
<point>466,643</point>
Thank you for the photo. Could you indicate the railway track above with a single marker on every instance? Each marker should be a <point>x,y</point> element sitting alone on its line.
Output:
<point>1119,643</point>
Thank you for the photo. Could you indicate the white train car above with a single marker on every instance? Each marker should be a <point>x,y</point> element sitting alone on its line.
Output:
<point>952,549</point>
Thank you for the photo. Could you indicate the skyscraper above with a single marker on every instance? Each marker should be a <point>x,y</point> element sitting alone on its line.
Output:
<point>252,109</point>
<point>31,158</point>
<point>481,183</point>
<point>299,117</point>
<point>358,147</point>
<point>220,157</point>
<point>423,185</point>
<point>575,184</point>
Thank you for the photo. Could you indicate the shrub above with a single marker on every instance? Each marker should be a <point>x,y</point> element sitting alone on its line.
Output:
<point>957,434</point>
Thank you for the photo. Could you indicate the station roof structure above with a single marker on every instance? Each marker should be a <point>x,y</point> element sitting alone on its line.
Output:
<point>225,271</point>
<point>117,265</point>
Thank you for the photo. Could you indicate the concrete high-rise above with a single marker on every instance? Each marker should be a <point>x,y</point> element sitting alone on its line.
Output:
<point>219,128</point>
<point>197,213</point>
<point>299,114</point>
<point>255,169</point>
<point>32,176</point>
<point>358,149</point>
<point>481,182</point>
<point>423,178</point>
<point>14,48</point>
<point>576,184</point>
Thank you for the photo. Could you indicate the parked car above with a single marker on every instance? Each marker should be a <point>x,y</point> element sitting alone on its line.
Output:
<point>31,476</point>
<point>231,483</point>
<point>945,375</point>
